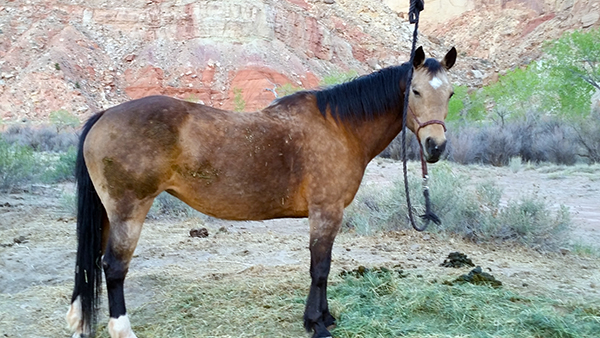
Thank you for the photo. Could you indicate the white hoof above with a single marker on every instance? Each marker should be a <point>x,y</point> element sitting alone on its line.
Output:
<point>120,328</point>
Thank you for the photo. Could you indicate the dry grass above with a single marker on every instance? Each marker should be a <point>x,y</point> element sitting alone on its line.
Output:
<point>245,305</point>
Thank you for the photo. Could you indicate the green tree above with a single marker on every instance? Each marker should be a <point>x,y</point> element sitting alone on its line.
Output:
<point>517,91</point>
<point>465,105</point>
<point>574,66</point>
<point>62,119</point>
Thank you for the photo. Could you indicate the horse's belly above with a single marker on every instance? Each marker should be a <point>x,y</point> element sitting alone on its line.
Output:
<point>242,195</point>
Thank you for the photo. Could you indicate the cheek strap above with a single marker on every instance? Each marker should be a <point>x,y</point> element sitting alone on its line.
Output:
<point>424,124</point>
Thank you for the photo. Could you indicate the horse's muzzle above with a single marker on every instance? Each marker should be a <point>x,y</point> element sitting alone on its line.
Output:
<point>433,150</point>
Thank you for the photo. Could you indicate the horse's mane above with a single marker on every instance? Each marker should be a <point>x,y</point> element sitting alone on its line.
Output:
<point>365,97</point>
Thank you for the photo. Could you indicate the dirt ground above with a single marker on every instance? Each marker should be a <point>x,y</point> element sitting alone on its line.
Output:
<point>37,248</point>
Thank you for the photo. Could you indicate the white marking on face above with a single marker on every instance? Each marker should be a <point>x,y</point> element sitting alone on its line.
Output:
<point>436,82</point>
<point>120,328</point>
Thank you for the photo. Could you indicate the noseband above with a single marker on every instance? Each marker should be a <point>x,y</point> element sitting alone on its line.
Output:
<point>424,124</point>
<point>421,125</point>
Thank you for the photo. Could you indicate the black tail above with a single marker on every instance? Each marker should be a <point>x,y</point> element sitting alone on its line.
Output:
<point>90,211</point>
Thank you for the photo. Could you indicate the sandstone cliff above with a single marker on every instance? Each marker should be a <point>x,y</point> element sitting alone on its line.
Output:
<point>85,56</point>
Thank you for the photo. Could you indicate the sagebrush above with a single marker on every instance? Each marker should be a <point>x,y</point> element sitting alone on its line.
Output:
<point>477,214</point>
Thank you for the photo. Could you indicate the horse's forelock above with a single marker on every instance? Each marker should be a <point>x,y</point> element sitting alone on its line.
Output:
<point>433,66</point>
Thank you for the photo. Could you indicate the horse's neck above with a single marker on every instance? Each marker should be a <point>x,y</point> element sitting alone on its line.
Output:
<point>377,134</point>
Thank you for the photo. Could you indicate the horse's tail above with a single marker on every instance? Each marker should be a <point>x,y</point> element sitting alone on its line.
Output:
<point>90,212</point>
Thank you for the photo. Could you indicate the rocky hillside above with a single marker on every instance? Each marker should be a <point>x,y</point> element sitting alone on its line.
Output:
<point>507,34</point>
<point>85,56</point>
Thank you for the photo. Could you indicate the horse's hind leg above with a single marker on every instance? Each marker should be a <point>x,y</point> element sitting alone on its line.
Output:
<point>125,229</point>
<point>324,226</point>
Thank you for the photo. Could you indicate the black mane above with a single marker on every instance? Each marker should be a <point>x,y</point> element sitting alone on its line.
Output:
<point>365,97</point>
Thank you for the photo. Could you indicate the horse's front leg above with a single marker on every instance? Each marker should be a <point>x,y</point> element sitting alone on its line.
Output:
<point>324,226</point>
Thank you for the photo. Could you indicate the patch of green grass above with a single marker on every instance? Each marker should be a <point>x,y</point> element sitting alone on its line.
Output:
<point>380,305</point>
<point>192,97</point>
<point>476,214</point>
<point>591,171</point>
<point>585,250</point>
<point>68,202</point>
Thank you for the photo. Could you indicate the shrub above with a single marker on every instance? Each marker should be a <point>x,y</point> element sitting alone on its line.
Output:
<point>394,149</point>
<point>62,167</point>
<point>166,205</point>
<point>62,119</point>
<point>17,165</point>
<point>287,89</point>
<point>533,138</point>
<point>338,77</point>
<point>40,139</point>
<point>476,214</point>
<point>238,100</point>
<point>587,135</point>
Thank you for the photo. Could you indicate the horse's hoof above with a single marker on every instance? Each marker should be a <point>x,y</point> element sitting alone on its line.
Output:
<point>120,327</point>
<point>322,334</point>
<point>329,321</point>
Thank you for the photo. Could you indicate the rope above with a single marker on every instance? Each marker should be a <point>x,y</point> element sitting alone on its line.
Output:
<point>416,6</point>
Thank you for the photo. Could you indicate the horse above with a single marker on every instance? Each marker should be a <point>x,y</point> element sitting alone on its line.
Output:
<point>302,156</point>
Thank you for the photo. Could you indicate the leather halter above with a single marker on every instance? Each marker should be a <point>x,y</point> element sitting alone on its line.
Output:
<point>421,125</point>
<point>424,124</point>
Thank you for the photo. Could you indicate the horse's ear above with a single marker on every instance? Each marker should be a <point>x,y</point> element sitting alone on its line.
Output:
<point>449,59</point>
<point>419,57</point>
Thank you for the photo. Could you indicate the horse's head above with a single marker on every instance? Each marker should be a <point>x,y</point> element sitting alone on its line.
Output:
<point>428,102</point>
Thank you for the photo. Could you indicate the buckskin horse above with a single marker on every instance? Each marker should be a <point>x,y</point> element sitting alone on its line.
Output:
<point>302,156</point>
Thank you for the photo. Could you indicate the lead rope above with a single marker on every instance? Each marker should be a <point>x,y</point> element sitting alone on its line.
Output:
<point>416,6</point>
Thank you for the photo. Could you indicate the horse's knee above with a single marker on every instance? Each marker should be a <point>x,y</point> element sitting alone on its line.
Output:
<point>120,327</point>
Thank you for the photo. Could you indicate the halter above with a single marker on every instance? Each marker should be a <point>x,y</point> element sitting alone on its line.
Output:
<point>421,125</point>
<point>424,124</point>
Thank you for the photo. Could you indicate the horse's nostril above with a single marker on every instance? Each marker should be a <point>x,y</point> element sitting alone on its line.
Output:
<point>435,149</point>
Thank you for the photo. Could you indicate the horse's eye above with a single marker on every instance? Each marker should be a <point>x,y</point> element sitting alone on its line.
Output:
<point>416,93</point>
